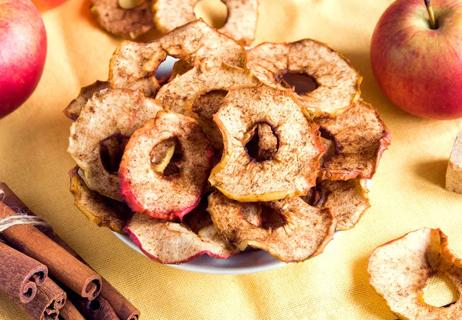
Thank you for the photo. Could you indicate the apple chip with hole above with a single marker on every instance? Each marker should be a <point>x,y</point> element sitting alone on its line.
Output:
<point>330,86</point>
<point>240,23</point>
<point>133,66</point>
<point>73,109</point>
<point>181,93</point>
<point>100,210</point>
<point>294,166</point>
<point>346,200</point>
<point>399,271</point>
<point>106,120</point>
<point>358,138</point>
<point>291,230</point>
<point>175,242</point>
<point>123,18</point>
<point>165,167</point>
<point>202,46</point>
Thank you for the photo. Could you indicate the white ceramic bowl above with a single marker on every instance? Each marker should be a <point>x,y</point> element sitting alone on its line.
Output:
<point>243,263</point>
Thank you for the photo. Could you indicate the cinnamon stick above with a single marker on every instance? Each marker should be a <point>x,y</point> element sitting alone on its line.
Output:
<point>70,312</point>
<point>20,275</point>
<point>124,308</point>
<point>98,309</point>
<point>47,303</point>
<point>61,265</point>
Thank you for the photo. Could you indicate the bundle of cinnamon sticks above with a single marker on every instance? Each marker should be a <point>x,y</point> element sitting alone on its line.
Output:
<point>45,277</point>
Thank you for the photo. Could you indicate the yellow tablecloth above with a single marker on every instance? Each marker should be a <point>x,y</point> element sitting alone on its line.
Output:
<point>407,190</point>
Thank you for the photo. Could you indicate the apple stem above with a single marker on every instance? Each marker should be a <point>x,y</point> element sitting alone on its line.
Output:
<point>431,14</point>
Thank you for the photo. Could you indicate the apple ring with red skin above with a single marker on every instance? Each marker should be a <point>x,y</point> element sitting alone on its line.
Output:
<point>337,81</point>
<point>108,112</point>
<point>240,24</point>
<point>127,23</point>
<point>304,233</point>
<point>294,167</point>
<point>175,242</point>
<point>158,194</point>
<point>360,137</point>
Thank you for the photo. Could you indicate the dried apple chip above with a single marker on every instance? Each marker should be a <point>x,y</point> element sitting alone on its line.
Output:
<point>292,170</point>
<point>336,81</point>
<point>302,233</point>
<point>73,109</point>
<point>127,23</point>
<point>133,66</point>
<point>108,113</point>
<point>97,208</point>
<point>177,190</point>
<point>360,137</point>
<point>204,108</point>
<point>174,242</point>
<point>240,24</point>
<point>180,94</point>
<point>346,200</point>
<point>399,271</point>
<point>202,46</point>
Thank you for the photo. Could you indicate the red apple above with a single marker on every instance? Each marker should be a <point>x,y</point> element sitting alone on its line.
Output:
<point>22,52</point>
<point>417,60</point>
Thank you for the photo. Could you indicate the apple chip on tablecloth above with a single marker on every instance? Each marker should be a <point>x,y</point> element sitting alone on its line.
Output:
<point>399,271</point>
<point>287,177</point>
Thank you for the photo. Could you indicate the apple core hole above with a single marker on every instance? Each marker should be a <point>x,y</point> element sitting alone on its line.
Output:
<point>111,151</point>
<point>271,219</point>
<point>301,83</point>
<point>213,12</point>
<point>262,142</point>
<point>440,291</point>
<point>166,157</point>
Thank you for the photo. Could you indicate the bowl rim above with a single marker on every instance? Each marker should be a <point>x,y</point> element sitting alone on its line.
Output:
<point>215,270</point>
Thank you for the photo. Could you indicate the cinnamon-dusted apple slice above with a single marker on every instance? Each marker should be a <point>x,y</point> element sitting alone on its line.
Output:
<point>399,271</point>
<point>240,24</point>
<point>295,232</point>
<point>128,22</point>
<point>174,242</point>
<point>109,113</point>
<point>133,66</point>
<point>167,191</point>
<point>346,200</point>
<point>204,107</point>
<point>293,168</point>
<point>202,46</point>
<point>336,82</point>
<point>72,111</point>
<point>360,137</point>
<point>98,209</point>
<point>180,94</point>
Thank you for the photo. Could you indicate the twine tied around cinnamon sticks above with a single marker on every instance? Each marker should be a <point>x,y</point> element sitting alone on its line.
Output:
<point>19,218</point>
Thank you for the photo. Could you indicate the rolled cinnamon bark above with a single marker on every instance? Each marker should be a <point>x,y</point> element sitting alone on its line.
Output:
<point>46,305</point>
<point>61,264</point>
<point>20,275</point>
<point>98,309</point>
<point>70,312</point>
<point>124,308</point>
